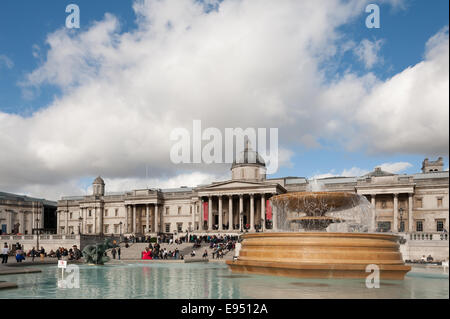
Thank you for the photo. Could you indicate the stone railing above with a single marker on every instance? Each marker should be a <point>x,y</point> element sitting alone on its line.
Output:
<point>428,236</point>
<point>41,237</point>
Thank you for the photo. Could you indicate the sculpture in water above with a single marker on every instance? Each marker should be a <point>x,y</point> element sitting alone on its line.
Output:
<point>95,254</point>
<point>316,249</point>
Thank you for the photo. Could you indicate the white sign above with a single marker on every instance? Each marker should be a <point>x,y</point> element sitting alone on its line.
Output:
<point>62,263</point>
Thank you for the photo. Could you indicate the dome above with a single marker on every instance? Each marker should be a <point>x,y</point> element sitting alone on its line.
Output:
<point>99,180</point>
<point>249,156</point>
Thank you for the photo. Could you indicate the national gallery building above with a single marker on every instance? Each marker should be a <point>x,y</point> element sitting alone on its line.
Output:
<point>404,203</point>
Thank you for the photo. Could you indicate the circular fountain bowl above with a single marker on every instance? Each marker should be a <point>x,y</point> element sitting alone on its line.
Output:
<point>322,201</point>
<point>320,255</point>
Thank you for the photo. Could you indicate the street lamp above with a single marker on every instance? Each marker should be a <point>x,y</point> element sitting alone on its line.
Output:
<point>401,220</point>
<point>120,231</point>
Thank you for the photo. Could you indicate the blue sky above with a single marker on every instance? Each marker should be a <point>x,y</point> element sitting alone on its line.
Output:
<point>405,29</point>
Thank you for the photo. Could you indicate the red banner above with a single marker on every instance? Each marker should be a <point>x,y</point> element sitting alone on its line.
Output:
<point>205,211</point>
<point>268,210</point>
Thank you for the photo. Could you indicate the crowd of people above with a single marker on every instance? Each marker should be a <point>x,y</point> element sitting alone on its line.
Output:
<point>20,254</point>
<point>155,252</point>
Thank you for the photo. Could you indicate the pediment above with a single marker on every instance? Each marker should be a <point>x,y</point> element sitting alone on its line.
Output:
<point>233,184</point>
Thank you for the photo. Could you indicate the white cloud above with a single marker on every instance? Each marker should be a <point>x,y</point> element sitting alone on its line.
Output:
<point>395,167</point>
<point>367,52</point>
<point>248,64</point>
<point>6,62</point>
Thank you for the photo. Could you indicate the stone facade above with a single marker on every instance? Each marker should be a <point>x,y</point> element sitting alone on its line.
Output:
<point>403,203</point>
<point>22,214</point>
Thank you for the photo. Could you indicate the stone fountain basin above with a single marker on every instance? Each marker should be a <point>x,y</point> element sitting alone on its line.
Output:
<point>320,255</point>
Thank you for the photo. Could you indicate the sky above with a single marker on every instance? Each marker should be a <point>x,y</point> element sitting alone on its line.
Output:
<point>104,98</point>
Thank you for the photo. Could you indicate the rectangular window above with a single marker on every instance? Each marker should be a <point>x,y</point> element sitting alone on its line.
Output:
<point>106,212</point>
<point>116,212</point>
<point>167,210</point>
<point>179,227</point>
<point>439,202</point>
<point>106,229</point>
<point>116,229</point>
<point>439,225</point>
<point>383,204</point>
<point>419,225</point>
<point>90,213</point>
<point>168,228</point>
<point>179,210</point>
<point>70,216</point>
<point>70,229</point>
<point>402,226</point>
<point>190,210</point>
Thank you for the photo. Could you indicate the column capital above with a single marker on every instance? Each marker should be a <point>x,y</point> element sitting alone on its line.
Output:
<point>395,194</point>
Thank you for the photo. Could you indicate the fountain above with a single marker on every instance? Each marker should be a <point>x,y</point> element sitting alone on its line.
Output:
<point>313,248</point>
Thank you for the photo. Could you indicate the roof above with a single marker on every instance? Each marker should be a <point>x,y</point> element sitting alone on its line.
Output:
<point>248,156</point>
<point>10,196</point>
<point>99,180</point>
<point>379,172</point>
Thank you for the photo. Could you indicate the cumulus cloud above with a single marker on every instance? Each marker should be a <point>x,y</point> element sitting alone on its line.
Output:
<point>367,52</point>
<point>394,168</point>
<point>236,64</point>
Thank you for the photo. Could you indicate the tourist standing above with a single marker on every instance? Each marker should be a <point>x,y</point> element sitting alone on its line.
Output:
<point>33,252</point>
<point>118,252</point>
<point>113,253</point>
<point>5,253</point>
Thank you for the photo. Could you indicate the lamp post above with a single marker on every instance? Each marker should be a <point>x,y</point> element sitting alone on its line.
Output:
<point>401,220</point>
<point>120,231</point>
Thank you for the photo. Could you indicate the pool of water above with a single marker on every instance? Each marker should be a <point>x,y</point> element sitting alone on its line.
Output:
<point>212,280</point>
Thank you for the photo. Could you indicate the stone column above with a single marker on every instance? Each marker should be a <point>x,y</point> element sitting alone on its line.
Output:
<point>395,226</point>
<point>67,222</point>
<point>274,218</point>
<point>58,222</point>
<point>125,230</point>
<point>374,213</point>
<point>94,221</point>
<point>201,220</point>
<point>156,219</point>
<point>410,213</point>
<point>147,218</point>
<point>241,211</point>
<point>209,213</point>
<point>134,219</point>
<point>252,212</point>
<point>263,212</point>
<point>220,213</point>
<point>22,222</point>
<point>42,215</point>
<point>193,207</point>
<point>230,212</point>
<point>100,220</point>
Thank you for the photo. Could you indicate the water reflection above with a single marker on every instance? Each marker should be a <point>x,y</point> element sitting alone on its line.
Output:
<point>202,281</point>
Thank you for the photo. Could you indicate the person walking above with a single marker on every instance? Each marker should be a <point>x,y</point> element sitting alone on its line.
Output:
<point>118,252</point>
<point>5,253</point>
<point>113,253</point>
<point>33,252</point>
